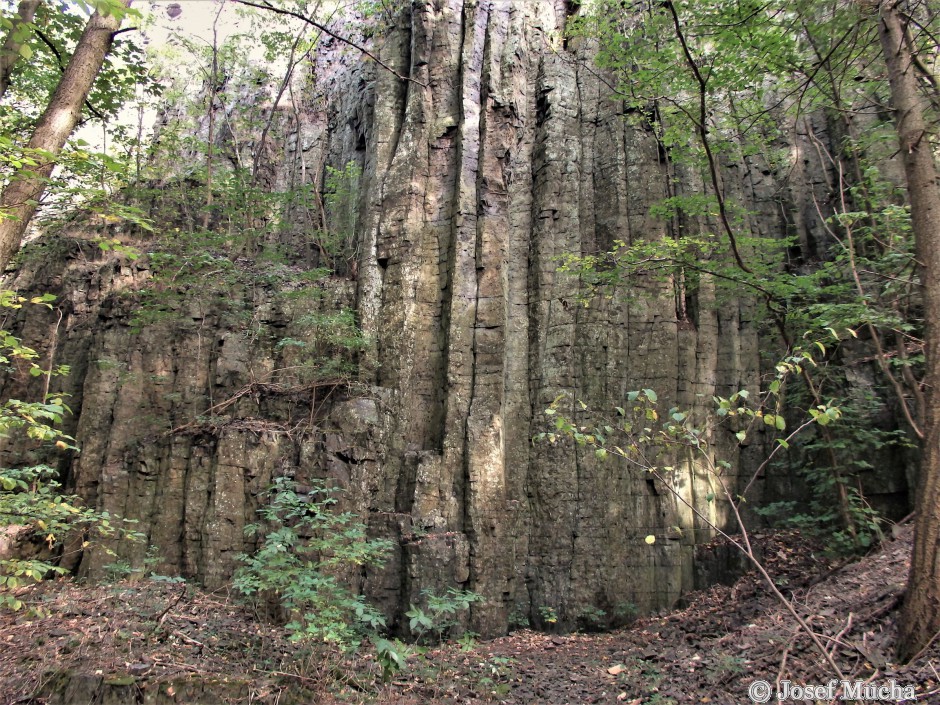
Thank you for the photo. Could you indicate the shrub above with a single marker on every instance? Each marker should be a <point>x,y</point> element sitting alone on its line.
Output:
<point>301,560</point>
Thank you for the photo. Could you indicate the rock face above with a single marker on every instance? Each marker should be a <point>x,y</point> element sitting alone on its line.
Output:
<point>503,153</point>
<point>510,156</point>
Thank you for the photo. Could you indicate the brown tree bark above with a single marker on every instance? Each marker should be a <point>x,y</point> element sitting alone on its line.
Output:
<point>10,52</point>
<point>20,197</point>
<point>920,616</point>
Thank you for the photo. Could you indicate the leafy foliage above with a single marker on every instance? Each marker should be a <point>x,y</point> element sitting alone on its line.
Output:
<point>32,504</point>
<point>301,563</point>
<point>84,177</point>
<point>858,442</point>
<point>722,87</point>
<point>440,612</point>
<point>31,498</point>
<point>666,443</point>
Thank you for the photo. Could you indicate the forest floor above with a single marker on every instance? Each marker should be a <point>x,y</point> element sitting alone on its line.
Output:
<point>158,642</point>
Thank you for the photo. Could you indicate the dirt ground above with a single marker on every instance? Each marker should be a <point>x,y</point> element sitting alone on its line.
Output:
<point>157,642</point>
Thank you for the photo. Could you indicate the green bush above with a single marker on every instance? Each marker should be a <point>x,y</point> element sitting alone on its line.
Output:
<point>439,616</point>
<point>301,560</point>
<point>33,508</point>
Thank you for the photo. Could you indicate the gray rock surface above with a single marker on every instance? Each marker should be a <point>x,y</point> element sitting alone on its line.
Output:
<point>504,154</point>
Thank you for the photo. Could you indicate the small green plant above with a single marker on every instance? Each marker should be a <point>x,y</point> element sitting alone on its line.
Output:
<point>169,579</point>
<point>660,699</point>
<point>118,570</point>
<point>392,656</point>
<point>626,612</point>
<point>548,615</point>
<point>518,619</point>
<point>499,672</point>
<point>105,364</point>
<point>651,674</point>
<point>591,618</point>
<point>440,614</point>
<point>300,563</point>
<point>468,640</point>
<point>726,667</point>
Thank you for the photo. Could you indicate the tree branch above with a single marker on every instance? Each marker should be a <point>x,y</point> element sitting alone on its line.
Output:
<point>702,128</point>
<point>58,57</point>
<point>265,5</point>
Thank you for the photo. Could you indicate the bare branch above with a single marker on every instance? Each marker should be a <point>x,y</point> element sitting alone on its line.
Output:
<point>701,126</point>
<point>265,5</point>
<point>58,57</point>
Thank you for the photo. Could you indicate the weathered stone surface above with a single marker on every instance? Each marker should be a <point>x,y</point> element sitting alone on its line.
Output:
<point>504,154</point>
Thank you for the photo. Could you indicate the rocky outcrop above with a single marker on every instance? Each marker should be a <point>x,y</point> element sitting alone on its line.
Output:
<point>502,153</point>
<point>510,156</point>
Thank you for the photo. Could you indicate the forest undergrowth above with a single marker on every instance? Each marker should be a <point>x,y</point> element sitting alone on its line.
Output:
<point>162,641</point>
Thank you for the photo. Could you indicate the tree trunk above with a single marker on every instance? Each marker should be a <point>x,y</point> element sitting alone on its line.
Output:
<point>920,616</point>
<point>213,90</point>
<point>20,197</point>
<point>10,53</point>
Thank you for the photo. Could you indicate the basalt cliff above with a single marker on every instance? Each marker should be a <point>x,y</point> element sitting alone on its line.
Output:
<point>502,152</point>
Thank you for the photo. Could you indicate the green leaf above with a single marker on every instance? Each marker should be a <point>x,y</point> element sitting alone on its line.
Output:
<point>651,395</point>
<point>26,52</point>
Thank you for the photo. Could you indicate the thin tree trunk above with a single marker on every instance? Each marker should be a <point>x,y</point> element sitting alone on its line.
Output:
<point>920,616</point>
<point>20,197</point>
<point>291,65</point>
<point>10,52</point>
<point>213,91</point>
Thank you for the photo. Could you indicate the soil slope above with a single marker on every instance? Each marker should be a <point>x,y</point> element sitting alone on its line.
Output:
<point>159,642</point>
